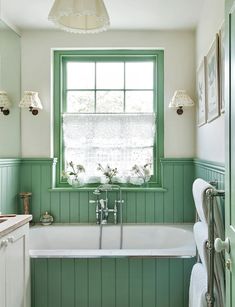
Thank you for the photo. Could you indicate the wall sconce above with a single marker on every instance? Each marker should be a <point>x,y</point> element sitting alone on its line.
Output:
<point>179,100</point>
<point>32,101</point>
<point>4,103</point>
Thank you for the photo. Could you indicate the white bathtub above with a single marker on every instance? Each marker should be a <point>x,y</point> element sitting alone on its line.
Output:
<point>86,241</point>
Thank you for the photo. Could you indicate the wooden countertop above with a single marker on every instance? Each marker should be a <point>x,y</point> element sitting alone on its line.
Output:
<point>12,223</point>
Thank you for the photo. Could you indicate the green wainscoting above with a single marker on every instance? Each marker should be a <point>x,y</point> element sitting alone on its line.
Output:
<point>9,185</point>
<point>36,177</point>
<point>126,282</point>
<point>174,204</point>
<point>210,171</point>
<point>110,282</point>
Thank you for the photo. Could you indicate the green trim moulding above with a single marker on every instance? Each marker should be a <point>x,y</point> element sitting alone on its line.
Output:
<point>61,57</point>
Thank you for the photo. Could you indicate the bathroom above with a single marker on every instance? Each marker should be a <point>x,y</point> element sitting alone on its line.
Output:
<point>29,156</point>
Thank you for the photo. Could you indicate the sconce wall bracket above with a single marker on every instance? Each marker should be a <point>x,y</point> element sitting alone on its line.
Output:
<point>180,111</point>
<point>5,111</point>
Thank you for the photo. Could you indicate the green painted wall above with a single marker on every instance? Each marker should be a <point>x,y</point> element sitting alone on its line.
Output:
<point>123,282</point>
<point>9,185</point>
<point>210,171</point>
<point>109,282</point>
<point>175,204</point>
<point>10,81</point>
<point>151,206</point>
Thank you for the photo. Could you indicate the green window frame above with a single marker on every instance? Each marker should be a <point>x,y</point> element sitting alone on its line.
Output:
<point>61,57</point>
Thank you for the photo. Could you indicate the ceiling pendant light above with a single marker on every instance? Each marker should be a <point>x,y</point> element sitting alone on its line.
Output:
<point>80,16</point>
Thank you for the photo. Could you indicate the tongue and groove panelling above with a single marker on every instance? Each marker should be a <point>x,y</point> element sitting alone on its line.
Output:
<point>174,204</point>
<point>106,282</point>
<point>9,185</point>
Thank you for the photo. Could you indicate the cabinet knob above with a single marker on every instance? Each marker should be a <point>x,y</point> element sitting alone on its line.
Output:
<point>4,243</point>
<point>222,245</point>
<point>11,239</point>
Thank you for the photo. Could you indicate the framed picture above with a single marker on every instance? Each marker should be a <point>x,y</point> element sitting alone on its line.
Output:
<point>222,67</point>
<point>201,94</point>
<point>212,82</point>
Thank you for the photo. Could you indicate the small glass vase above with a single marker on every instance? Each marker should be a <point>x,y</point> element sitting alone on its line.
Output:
<point>76,182</point>
<point>145,184</point>
<point>139,181</point>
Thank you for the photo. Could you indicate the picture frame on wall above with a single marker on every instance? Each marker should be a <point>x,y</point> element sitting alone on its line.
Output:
<point>201,94</point>
<point>212,82</point>
<point>222,67</point>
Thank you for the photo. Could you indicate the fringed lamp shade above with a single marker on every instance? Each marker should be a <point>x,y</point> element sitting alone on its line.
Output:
<point>5,103</point>
<point>179,100</point>
<point>32,101</point>
<point>80,16</point>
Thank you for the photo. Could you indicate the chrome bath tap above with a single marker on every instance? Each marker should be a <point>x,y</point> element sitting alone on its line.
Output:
<point>102,210</point>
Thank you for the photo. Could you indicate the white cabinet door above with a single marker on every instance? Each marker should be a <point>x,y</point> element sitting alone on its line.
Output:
<point>15,273</point>
<point>17,281</point>
<point>2,274</point>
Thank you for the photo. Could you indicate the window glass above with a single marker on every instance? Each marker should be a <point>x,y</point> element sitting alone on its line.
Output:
<point>109,75</point>
<point>139,75</point>
<point>139,101</point>
<point>109,101</point>
<point>80,75</point>
<point>80,101</point>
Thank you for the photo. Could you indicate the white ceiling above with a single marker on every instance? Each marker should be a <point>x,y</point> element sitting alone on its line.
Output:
<point>124,14</point>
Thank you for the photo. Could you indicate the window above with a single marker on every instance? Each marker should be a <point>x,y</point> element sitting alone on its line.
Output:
<point>108,110</point>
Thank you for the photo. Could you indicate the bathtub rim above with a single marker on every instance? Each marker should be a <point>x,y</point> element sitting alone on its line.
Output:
<point>43,255</point>
<point>55,224</point>
<point>188,252</point>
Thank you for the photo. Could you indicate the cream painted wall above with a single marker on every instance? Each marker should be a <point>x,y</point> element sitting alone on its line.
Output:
<point>179,49</point>
<point>10,82</point>
<point>210,138</point>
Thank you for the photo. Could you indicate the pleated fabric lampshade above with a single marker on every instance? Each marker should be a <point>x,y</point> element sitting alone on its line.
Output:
<point>5,103</point>
<point>32,101</point>
<point>180,100</point>
<point>80,16</point>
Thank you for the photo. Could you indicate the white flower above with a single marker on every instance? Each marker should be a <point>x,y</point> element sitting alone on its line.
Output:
<point>73,170</point>
<point>142,172</point>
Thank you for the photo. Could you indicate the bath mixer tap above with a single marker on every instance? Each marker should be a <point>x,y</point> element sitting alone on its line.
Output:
<point>102,209</point>
<point>105,211</point>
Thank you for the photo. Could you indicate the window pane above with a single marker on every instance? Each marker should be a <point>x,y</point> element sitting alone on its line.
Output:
<point>139,75</point>
<point>80,75</point>
<point>121,140</point>
<point>81,102</point>
<point>110,75</point>
<point>139,101</point>
<point>109,101</point>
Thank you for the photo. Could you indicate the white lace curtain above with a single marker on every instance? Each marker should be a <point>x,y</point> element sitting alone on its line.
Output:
<point>120,140</point>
